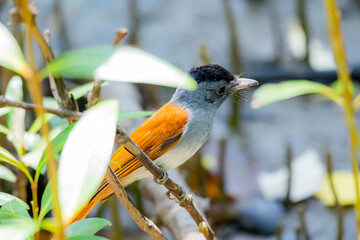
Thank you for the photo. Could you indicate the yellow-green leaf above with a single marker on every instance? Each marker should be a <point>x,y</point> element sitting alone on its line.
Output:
<point>11,56</point>
<point>344,185</point>
<point>275,92</point>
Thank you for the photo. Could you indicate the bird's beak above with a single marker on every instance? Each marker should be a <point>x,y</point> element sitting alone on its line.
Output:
<point>244,83</point>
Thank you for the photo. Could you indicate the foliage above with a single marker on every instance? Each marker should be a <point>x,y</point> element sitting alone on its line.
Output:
<point>83,147</point>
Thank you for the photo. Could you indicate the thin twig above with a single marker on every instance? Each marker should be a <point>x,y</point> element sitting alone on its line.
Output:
<point>338,207</point>
<point>301,208</point>
<point>95,95</point>
<point>143,222</point>
<point>185,200</point>
<point>120,34</point>
<point>26,12</point>
<point>63,113</point>
<point>289,167</point>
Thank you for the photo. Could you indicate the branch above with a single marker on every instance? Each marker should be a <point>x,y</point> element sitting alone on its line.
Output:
<point>185,200</point>
<point>63,113</point>
<point>94,96</point>
<point>143,222</point>
<point>169,213</point>
<point>26,12</point>
<point>120,34</point>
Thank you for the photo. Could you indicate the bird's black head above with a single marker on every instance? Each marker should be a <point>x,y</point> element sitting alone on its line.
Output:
<point>210,73</point>
<point>215,83</point>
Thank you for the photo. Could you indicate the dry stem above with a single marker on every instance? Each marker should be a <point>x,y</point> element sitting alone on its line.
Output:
<point>120,34</point>
<point>143,222</point>
<point>26,12</point>
<point>333,15</point>
<point>172,187</point>
<point>63,113</point>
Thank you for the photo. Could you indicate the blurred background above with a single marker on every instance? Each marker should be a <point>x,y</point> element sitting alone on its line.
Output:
<point>244,167</point>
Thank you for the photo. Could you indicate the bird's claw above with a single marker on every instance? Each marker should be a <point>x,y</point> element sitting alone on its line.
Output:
<point>164,178</point>
<point>181,198</point>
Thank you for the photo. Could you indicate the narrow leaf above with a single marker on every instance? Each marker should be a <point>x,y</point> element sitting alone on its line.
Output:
<point>88,226</point>
<point>16,164</point>
<point>275,92</point>
<point>11,56</point>
<point>6,153</point>
<point>128,115</point>
<point>82,90</point>
<point>4,111</point>
<point>129,64</point>
<point>86,237</point>
<point>4,129</point>
<point>5,197</point>
<point>35,127</point>
<point>6,174</point>
<point>46,201</point>
<point>79,63</point>
<point>57,144</point>
<point>85,156</point>
<point>16,116</point>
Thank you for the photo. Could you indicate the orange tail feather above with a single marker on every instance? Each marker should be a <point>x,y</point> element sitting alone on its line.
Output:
<point>85,210</point>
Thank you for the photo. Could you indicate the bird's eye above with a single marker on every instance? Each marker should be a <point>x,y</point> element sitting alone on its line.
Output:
<point>220,91</point>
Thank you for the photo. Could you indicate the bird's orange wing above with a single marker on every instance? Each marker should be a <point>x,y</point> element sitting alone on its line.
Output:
<point>155,136</point>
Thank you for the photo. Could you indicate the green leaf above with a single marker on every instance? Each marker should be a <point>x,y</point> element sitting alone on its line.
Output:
<point>16,164</point>
<point>18,231</point>
<point>82,90</point>
<point>35,127</point>
<point>86,237</point>
<point>4,130</point>
<point>4,111</point>
<point>5,197</point>
<point>128,115</point>
<point>46,202</point>
<point>16,116</point>
<point>11,56</point>
<point>6,153</point>
<point>129,64</point>
<point>85,156</point>
<point>47,102</point>
<point>274,92</point>
<point>49,224</point>
<point>57,143</point>
<point>88,226</point>
<point>79,63</point>
<point>32,159</point>
<point>6,174</point>
<point>12,211</point>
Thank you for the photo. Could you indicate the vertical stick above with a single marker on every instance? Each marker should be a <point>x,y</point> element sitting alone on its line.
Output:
<point>333,16</point>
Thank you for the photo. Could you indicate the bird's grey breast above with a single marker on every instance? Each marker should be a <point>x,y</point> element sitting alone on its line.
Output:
<point>195,134</point>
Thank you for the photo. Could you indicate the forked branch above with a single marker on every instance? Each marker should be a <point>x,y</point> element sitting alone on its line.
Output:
<point>185,200</point>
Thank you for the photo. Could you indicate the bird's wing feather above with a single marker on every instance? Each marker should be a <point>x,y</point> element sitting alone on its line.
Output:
<point>155,136</point>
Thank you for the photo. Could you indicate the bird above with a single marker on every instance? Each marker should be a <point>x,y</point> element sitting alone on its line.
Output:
<point>176,131</point>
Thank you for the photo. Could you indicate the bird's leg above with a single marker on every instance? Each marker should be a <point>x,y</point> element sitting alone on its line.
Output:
<point>164,178</point>
<point>181,198</point>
